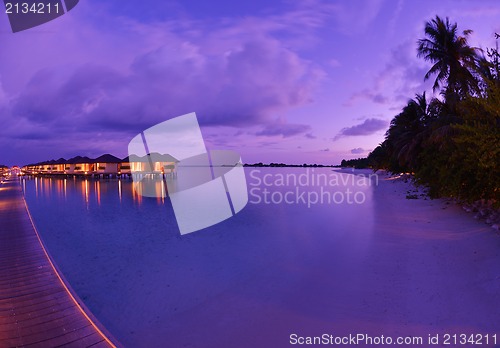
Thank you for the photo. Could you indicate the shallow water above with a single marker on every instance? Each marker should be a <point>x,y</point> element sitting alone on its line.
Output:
<point>274,267</point>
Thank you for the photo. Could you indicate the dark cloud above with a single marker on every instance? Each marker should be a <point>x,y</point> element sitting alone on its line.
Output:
<point>368,127</point>
<point>325,150</point>
<point>286,130</point>
<point>310,136</point>
<point>235,76</point>
<point>244,88</point>
<point>357,151</point>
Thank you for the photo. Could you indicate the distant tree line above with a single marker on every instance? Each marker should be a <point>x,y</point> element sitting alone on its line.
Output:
<point>260,164</point>
<point>452,143</point>
<point>358,163</point>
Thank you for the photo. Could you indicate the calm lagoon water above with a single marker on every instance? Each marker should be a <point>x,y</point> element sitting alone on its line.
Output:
<point>251,280</point>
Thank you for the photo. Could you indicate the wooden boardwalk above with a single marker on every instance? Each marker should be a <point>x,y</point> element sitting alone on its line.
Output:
<point>37,307</point>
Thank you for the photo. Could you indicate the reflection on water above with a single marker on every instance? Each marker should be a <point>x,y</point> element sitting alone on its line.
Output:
<point>120,189</point>
<point>297,187</point>
<point>150,286</point>
<point>91,190</point>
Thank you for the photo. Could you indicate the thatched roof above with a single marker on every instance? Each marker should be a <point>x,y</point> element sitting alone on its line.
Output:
<point>154,156</point>
<point>107,158</point>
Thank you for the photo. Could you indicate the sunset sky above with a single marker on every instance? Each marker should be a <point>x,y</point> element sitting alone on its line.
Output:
<point>278,81</point>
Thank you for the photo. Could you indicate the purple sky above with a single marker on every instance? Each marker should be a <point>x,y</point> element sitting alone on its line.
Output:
<point>284,81</point>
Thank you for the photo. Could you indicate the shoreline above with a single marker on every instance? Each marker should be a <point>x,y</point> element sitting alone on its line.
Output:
<point>484,211</point>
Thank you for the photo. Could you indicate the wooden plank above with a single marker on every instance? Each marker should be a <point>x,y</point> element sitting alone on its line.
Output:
<point>33,311</point>
<point>46,272</point>
<point>17,270</point>
<point>42,335</point>
<point>20,260</point>
<point>89,341</point>
<point>18,284</point>
<point>57,324</point>
<point>36,307</point>
<point>27,320</point>
<point>11,342</point>
<point>25,289</point>
<point>67,336</point>
<point>47,290</point>
<point>98,345</point>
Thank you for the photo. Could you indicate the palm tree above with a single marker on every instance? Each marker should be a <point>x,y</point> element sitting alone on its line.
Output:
<point>406,133</point>
<point>454,61</point>
<point>491,68</point>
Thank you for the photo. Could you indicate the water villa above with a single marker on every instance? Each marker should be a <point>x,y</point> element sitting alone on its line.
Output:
<point>105,166</point>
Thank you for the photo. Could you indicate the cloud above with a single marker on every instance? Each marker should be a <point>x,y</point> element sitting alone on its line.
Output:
<point>3,96</point>
<point>368,127</point>
<point>310,136</point>
<point>358,151</point>
<point>401,77</point>
<point>334,63</point>
<point>391,25</point>
<point>325,150</point>
<point>285,130</point>
<point>477,12</point>
<point>375,97</point>
<point>239,72</point>
<point>351,12</point>
<point>243,88</point>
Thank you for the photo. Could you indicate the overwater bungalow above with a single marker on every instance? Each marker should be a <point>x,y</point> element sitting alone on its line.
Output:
<point>124,167</point>
<point>80,165</point>
<point>139,164</point>
<point>106,165</point>
<point>59,166</point>
<point>154,163</point>
<point>27,169</point>
<point>165,164</point>
<point>47,167</point>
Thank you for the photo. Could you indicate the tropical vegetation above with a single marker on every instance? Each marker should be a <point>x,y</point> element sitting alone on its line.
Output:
<point>451,143</point>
